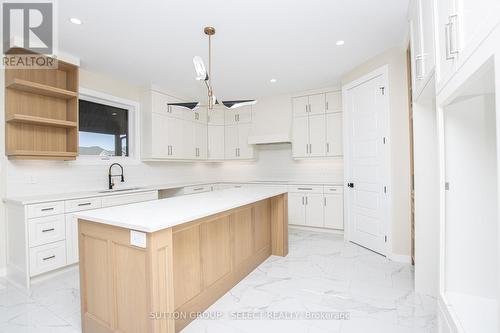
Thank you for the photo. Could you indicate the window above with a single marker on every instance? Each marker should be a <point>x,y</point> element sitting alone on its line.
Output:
<point>104,129</point>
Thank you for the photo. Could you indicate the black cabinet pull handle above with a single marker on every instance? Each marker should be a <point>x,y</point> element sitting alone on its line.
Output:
<point>47,209</point>
<point>84,204</point>
<point>48,230</point>
<point>305,188</point>
<point>48,258</point>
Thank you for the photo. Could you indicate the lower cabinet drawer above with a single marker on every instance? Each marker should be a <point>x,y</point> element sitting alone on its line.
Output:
<point>44,230</point>
<point>47,257</point>
<point>196,189</point>
<point>82,204</point>
<point>125,199</point>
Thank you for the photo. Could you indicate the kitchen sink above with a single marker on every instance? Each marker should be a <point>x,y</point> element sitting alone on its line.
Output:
<point>121,190</point>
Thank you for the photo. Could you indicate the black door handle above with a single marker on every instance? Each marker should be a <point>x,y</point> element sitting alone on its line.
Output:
<point>351,185</point>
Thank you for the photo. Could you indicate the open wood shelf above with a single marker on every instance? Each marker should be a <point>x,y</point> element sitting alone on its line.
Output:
<point>41,112</point>
<point>37,154</point>
<point>40,89</point>
<point>42,121</point>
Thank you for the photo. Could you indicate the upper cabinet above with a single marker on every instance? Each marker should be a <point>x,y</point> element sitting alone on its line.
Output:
<point>421,18</point>
<point>317,125</point>
<point>176,133</point>
<point>461,26</point>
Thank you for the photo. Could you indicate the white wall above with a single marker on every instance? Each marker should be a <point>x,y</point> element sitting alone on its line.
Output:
<point>399,139</point>
<point>2,173</point>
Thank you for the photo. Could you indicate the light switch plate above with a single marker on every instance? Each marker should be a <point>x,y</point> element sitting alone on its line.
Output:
<point>138,238</point>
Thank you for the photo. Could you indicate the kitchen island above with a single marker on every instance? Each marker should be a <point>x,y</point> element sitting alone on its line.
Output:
<point>152,266</point>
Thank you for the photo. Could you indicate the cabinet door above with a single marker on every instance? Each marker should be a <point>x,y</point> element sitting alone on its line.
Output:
<point>230,116</point>
<point>159,139</point>
<point>317,104</point>
<point>245,151</point>
<point>231,141</point>
<point>447,35</point>
<point>334,101</point>
<point>188,139</point>
<point>71,239</point>
<point>200,141</point>
<point>300,106</point>
<point>334,211</point>
<point>244,114</point>
<point>334,134</point>
<point>314,210</point>
<point>296,209</point>
<point>317,136</point>
<point>216,116</point>
<point>428,39</point>
<point>215,142</point>
<point>174,134</point>
<point>300,133</point>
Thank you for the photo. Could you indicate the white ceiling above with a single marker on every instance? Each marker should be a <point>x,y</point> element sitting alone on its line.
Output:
<point>153,42</point>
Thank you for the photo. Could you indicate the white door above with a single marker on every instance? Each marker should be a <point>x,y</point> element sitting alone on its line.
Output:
<point>231,141</point>
<point>317,104</point>
<point>317,136</point>
<point>296,209</point>
<point>334,143</point>
<point>300,106</point>
<point>300,144</point>
<point>215,142</point>
<point>366,111</point>
<point>334,211</point>
<point>71,239</point>
<point>314,210</point>
<point>244,149</point>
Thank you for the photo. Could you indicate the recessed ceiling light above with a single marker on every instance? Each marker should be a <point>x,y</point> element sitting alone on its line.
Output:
<point>273,80</point>
<point>75,20</point>
<point>340,43</point>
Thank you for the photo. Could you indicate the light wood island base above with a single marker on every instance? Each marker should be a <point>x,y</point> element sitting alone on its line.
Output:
<point>182,270</point>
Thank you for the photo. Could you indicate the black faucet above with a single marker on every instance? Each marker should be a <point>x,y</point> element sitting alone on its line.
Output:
<point>110,175</point>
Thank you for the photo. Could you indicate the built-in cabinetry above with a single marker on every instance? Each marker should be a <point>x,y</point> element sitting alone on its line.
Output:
<point>41,110</point>
<point>317,125</point>
<point>316,206</point>
<point>176,133</point>
<point>461,26</point>
<point>43,237</point>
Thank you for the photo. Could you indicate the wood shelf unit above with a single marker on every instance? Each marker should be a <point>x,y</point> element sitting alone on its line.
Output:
<point>41,112</point>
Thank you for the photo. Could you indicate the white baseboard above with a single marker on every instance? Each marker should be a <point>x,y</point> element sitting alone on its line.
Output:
<point>400,258</point>
<point>328,231</point>
<point>446,317</point>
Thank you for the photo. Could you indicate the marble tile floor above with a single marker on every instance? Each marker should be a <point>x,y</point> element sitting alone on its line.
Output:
<point>322,277</point>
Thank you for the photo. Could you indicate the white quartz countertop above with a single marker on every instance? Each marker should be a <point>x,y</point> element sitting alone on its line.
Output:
<point>156,215</point>
<point>28,200</point>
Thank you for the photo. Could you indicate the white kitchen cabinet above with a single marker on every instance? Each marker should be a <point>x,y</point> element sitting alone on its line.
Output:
<point>174,138</point>
<point>314,210</point>
<point>300,146</point>
<point>215,142</point>
<point>300,106</point>
<point>242,115</point>
<point>296,209</point>
<point>447,38</point>
<point>334,211</point>
<point>231,141</point>
<point>200,141</point>
<point>317,104</point>
<point>317,136</point>
<point>333,101</point>
<point>236,142</point>
<point>428,36</point>
<point>159,146</point>
<point>334,146</point>
<point>216,116</point>
<point>317,132</point>
<point>71,239</point>
<point>188,138</point>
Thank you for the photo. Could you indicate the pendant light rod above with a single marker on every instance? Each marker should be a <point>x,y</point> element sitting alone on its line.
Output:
<point>210,31</point>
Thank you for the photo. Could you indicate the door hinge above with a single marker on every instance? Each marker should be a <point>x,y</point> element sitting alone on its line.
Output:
<point>385,238</point>
<point>447,186</point>
<point>382,90</point>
